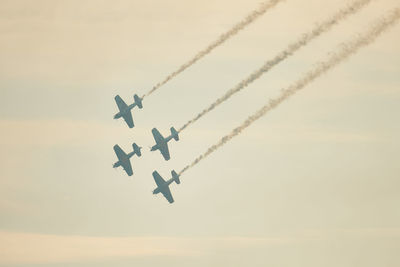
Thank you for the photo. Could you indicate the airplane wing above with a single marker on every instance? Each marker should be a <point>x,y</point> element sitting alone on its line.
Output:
<point>119,152</point>
<point>167,194</point>
<point>120,103</point>
<point>123,159</point>
<point>162,145</point>
<point>160,183</point>
<point>127,115</point>
<point>127,167</point>
<point>164,150</point>
<point>128,119</point>
<point>157,136</point>
<point>158,179</point>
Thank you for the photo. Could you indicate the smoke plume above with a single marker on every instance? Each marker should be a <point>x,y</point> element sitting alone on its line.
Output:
<point>264,7</point>
<point>344,51</point>
<point>288,51</point>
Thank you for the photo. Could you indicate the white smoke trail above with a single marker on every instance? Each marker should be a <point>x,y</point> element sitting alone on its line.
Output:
<point>290,50</point>
<point>344,51</point>
<point>264,7</point>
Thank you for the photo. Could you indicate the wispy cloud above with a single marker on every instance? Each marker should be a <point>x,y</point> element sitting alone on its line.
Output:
<point>32,248</point>
<point>56,132</point>
<point>39,248</point>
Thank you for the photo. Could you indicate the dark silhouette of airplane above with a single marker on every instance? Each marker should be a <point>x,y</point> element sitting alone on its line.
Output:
<point>162,143</point>
<point>125,110</point>
<point>124,159</point>
<point>163,186</point>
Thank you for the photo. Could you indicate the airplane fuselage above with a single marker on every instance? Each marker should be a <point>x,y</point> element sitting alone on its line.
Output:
<point>121,113</point>
<point>122,161</point>
<point>161,188</point>
<point>166,140</point>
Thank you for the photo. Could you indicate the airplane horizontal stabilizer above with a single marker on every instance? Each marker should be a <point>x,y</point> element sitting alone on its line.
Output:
<point>138,101</point>
<point>175,177</point>
<point>136,149</point>
<point>174,134</point>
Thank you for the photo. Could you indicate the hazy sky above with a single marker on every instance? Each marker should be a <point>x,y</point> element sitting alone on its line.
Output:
<point>313,183</point>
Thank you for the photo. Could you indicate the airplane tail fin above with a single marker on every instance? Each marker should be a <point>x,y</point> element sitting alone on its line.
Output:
<point>138,101</point>
<point>174,134</point>
<point>136,149</point>
<point>175,177</point>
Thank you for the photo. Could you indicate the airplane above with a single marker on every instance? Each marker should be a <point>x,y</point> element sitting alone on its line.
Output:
<point>125,110</point>
<point>124,159</point>
<point>163,186</point>
<point>162,143</point>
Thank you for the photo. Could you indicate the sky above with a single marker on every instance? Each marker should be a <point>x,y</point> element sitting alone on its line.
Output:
<point>313,183</point>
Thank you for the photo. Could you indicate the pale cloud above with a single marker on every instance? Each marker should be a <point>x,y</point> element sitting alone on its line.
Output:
<point>63,132</point>
<point>50,132</point>
<point>25,248</point>
<point>39,248</point>
<point>34,248</point>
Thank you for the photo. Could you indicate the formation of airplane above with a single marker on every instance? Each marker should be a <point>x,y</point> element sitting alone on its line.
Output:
<point>162,143</point>
<point>163,186</point>
<point>125,110</point>
<point>124,159</point>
